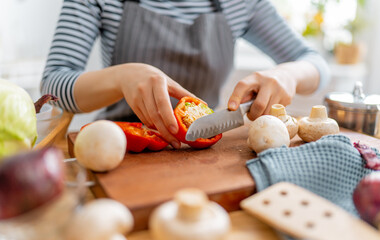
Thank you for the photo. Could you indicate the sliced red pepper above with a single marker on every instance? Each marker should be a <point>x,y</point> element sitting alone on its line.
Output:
<point>140,138</point>
<point>189,109</point>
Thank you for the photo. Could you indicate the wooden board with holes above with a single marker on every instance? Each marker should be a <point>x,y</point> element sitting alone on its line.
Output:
<point>305,215</point>
<point>145,180</point>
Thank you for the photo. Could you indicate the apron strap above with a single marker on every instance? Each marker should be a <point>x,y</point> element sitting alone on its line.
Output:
<point>218,7</point>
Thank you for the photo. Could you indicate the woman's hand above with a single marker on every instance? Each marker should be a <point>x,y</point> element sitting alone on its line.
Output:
<point>147,91</point>
<point>277,85</point>
<point>268,87</point>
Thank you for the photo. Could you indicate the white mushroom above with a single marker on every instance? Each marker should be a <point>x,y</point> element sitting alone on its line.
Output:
<point>100,146</point>
<point>267,132</point>
<point>189,216</point>
<point>101,219</point>
<point>317,125</point>
<point>278,110</point>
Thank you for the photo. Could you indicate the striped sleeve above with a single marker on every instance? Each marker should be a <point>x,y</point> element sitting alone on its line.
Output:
<point>271,34</point>
<point>77,28</point>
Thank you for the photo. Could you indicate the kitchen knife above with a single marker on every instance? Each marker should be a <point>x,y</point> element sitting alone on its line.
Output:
<point>217,122</point>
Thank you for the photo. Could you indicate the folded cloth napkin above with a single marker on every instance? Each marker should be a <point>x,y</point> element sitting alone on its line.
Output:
<point>330,167</point>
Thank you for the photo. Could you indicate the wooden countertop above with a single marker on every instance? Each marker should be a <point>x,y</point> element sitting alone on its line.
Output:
<point>244,226</point>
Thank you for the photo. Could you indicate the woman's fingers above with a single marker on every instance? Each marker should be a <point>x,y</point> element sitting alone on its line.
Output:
<point>162,100</point>
<point>260,104</point>
<point>147,90</point>
<point>140,114</point>
<point>156,103</point>
<point>268,88</point>
<point>244,89</point>
<point>176,90</point>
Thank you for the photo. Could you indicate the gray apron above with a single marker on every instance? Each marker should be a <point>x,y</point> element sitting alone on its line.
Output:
<point>198,56</point>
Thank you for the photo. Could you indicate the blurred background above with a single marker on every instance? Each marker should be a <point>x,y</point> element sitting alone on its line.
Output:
<point>345,32</point>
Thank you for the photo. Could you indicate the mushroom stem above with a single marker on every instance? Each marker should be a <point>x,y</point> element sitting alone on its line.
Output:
<point>318,111</point>
<point>191,202</point>
<point>277,110</point>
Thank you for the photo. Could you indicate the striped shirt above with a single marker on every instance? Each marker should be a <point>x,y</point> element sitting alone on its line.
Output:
<point>82,21</point>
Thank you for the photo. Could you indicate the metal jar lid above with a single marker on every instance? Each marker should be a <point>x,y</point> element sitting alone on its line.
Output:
<point>355,101</point>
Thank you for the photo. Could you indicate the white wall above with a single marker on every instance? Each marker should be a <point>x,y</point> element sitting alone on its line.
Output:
<point>26,28</point>
<point>26,31</point>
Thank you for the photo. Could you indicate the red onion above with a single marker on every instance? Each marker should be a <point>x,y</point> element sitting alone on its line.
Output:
<point>29,180</point>
<point>369,156</point>
<point>367,198</point>
<point>44,99</point>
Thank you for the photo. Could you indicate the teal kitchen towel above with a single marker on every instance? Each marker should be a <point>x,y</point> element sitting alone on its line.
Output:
<point>330,167</point>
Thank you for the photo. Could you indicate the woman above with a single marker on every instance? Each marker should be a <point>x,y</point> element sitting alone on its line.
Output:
<point>154,50</point>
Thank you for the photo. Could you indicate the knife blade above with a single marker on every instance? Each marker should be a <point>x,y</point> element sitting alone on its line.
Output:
<point>217,122</point>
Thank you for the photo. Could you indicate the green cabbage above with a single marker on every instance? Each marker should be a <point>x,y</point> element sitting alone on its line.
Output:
<point>18,122</point>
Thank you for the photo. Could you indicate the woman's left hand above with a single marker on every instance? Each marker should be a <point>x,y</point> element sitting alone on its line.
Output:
<point>267,87</point>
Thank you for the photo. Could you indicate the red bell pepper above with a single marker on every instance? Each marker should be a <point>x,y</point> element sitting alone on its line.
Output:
<point>189,109</point>
<point>140,138</point>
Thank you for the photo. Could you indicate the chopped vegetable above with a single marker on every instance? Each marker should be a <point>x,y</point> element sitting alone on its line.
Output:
<point>140,137</point>
<point>369,155</point>
<point>44,99</point>
<point>186,112</point>
<point>192,112</point>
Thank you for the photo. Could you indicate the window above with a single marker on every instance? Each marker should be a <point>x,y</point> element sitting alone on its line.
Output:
<point>328,13</point>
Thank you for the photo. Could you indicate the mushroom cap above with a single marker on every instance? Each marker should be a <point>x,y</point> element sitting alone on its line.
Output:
<point>266,132</point>
<point>316,125</point>
<point>291,124</point>
<point>100,219</point>
<point>279,111</point>
<point>100,146</point>
<point>209,222</point>
<point>312,129</point>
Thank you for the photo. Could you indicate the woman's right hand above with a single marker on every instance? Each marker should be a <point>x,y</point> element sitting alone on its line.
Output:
<point>147,91</point>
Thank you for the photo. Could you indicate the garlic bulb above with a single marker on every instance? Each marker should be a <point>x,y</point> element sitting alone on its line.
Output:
<point>189,216</point>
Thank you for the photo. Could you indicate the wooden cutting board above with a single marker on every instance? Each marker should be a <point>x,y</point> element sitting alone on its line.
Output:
<point>145,180</point>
